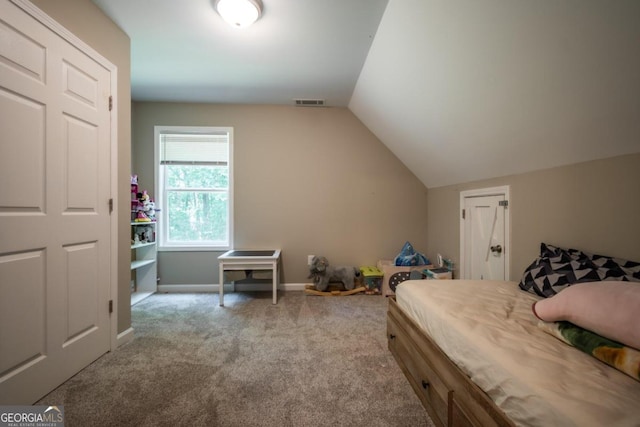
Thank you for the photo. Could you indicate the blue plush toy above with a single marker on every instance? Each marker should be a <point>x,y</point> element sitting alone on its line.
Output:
<point>409,257</point>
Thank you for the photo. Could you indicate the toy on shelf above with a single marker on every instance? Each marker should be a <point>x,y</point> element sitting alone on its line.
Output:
<point>143,209</point>
<point>144,234</point>
<point>134,194</point>
<point>148,206</point>
<point>134,183</point>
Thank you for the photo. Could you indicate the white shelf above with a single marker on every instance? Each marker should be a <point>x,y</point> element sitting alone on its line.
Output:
<point>136,297</point>
<point>142,245</point>
<point>141,263</point>
<point>144,255</point>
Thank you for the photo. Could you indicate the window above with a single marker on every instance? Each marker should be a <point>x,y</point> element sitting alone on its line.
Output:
<point>194,187</point>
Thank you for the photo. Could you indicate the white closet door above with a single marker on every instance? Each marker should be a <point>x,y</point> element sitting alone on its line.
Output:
<point>54,208</point>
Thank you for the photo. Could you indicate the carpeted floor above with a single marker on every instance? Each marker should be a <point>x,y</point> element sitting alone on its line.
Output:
<point>307,361</point>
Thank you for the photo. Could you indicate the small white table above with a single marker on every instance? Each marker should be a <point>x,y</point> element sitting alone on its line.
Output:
<point>250,260</point>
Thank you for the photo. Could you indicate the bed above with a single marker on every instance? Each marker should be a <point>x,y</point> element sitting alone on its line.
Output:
<point>475,355</point>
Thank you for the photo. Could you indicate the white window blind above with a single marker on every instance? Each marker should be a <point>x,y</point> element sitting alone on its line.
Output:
<point>194,149</point>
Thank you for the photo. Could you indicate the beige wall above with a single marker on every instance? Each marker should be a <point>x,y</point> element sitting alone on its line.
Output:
<point>593,206</point>
<point>88,23</point>
<point>311,181</point>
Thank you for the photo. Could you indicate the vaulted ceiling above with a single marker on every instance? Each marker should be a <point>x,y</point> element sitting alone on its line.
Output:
<point>298,49</point>
<point>459,90</point>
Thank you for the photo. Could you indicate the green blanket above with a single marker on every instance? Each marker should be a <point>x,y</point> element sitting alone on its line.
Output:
<point>625,359</point>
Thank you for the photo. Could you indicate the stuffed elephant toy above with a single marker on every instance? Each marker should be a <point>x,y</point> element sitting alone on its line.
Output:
<point>322,274</point>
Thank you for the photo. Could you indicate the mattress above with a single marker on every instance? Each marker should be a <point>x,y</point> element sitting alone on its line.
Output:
<point>487,328</point>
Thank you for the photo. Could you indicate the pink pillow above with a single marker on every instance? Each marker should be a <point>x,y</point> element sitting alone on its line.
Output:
<point>610,309</point>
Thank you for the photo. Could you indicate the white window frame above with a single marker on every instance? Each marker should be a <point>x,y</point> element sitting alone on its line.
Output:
<point>163,245</point>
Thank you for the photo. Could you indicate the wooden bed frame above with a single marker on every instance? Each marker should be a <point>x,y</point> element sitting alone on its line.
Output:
<point>448,395</point>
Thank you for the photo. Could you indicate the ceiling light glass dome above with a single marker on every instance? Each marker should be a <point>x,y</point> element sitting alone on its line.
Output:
<point>239,13</point>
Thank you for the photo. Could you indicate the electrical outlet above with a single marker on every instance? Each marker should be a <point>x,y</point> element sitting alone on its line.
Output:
<point>309,259</point>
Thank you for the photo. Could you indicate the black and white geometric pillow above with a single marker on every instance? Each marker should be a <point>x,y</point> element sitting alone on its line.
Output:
<point>557,268</point>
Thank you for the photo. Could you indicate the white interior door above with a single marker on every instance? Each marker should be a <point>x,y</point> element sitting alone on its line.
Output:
<point>484,235</point>
<point>54,208</point>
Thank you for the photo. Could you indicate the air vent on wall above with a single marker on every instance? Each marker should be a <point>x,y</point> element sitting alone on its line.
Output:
<point>309,102</point>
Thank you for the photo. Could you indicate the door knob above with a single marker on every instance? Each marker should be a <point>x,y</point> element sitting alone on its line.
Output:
<point>497,249</point>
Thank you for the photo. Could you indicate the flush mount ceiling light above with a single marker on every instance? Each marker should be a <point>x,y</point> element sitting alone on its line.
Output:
<point>239,13</point>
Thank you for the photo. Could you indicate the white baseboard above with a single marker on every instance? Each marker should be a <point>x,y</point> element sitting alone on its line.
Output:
<point>188,288</point>
<point>124,337</point>
<point>229,288</point>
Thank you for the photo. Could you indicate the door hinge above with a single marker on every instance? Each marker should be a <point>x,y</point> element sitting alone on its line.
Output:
<point>504,203</point>
<point>110,306</point>
<point>110,102</point>
<point>110,206</point>
<point>463,213</point>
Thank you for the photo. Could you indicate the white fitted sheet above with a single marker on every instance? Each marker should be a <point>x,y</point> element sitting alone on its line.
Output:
<point>488,329</point>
